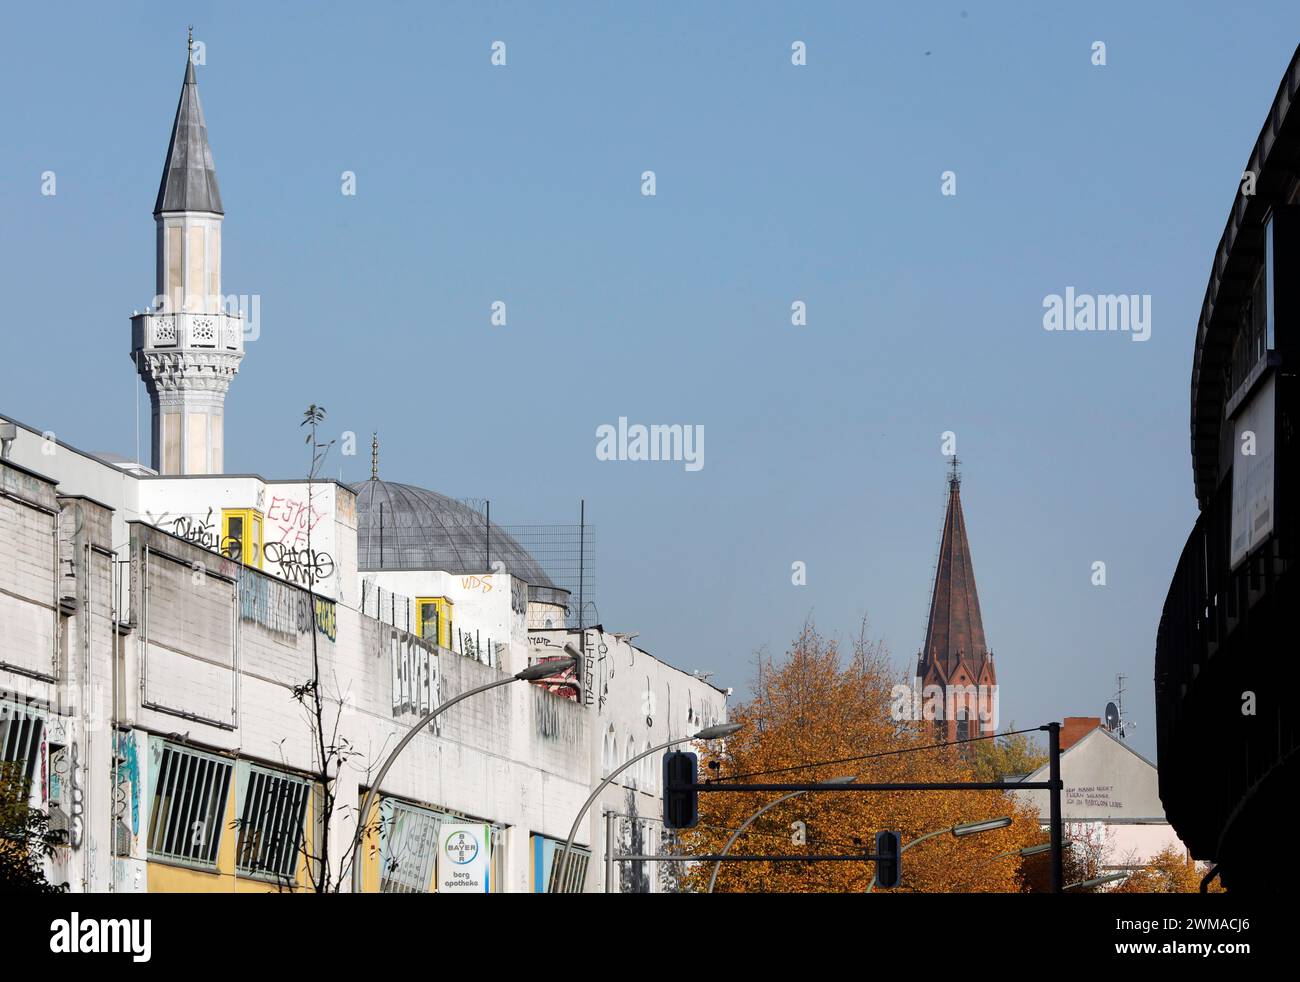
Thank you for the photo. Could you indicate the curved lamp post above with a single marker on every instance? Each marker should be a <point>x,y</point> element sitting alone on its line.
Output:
<point>958,831</point>
<point>533,673</point>
<point>830,782</point>
<point>708,733</point>
<point>1022,853</point>
<point>1098,881</point>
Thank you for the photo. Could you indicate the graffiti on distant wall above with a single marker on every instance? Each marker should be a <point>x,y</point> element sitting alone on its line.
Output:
<point>415,676</point>
<point>1092,796</point>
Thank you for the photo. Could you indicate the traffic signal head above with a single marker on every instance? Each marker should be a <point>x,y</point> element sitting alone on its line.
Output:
<point>889,860</point>
<point>681,808</point>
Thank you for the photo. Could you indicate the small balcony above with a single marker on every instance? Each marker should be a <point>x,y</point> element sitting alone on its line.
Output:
<point>181,331</point>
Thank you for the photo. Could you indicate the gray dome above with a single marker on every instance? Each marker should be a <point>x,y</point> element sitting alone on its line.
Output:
<point>401,527</point>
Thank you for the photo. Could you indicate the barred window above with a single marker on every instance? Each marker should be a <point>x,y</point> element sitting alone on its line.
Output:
<point>20,738</point>
<point>546,862</point>
<point>189,807</point>
<point>271,826</point>
<point>409,850</point>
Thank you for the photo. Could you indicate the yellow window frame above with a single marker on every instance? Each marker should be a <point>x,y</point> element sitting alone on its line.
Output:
<point>250,543</point>
<point>442,611</point>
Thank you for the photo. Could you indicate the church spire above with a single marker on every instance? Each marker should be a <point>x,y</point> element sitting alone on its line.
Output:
<point>189,179</point>
<point>955,651</point>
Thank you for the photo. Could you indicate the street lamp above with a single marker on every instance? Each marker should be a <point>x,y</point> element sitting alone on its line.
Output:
<point>1042,847</point>
<point>958,831</point>
<point>708,733</point>
<point>830,782</point>
<point>533,673</point>
<point>1098,880</point>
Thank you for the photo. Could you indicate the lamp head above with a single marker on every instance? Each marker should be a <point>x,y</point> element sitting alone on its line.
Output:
<point>718,732</point>
<point>971,828</point>
<point>545,669</point>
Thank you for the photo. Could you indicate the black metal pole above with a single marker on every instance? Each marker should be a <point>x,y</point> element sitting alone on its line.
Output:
<point>836,788</point>
<point>582,573</point>
<point>1054,760</point>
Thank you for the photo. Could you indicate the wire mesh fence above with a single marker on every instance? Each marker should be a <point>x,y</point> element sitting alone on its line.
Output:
<point>567,554</point>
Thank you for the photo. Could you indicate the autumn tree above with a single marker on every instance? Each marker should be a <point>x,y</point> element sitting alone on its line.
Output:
<point>816,704</point>
<point>1170,870</point>
<point>1009,755</point>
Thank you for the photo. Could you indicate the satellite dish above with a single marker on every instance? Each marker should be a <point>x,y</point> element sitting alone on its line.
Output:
<point>1112,716</point>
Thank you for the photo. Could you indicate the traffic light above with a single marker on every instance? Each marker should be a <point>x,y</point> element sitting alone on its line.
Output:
<point>889,860</point>
<point>681,808</point>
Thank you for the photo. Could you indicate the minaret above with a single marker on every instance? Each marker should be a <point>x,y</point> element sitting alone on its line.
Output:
<point>955,664</point>
<point>186,347</point>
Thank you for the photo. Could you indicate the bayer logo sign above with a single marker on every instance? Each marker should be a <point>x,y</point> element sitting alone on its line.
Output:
<point>461,848</point>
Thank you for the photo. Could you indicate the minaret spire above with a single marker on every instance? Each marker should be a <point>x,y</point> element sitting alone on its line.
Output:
<point>187,347</point>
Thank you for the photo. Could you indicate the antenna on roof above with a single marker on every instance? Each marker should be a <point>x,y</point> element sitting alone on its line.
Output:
<point>1115,721</point>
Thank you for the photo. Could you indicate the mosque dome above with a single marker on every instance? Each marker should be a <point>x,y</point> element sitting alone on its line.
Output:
<point>402,527</point>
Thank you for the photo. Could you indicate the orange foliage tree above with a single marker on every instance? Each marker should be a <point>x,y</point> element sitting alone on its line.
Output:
<point>1170,870</point>
<point>816,705</point>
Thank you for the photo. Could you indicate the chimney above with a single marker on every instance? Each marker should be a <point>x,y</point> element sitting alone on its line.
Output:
<point>1075,728</point>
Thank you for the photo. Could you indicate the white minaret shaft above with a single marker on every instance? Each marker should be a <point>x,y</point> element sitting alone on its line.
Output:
<point>186,347</point>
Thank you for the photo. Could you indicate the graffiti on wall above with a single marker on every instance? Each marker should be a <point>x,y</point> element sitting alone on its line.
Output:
<point>292,518</point>
<point>282,610</point>
<point>126,795</point>
<point>479,584</point>
<point>414,667</point>
<point>1092,796</point>
<point>550,720</point>
<point>67,798</point>
<point>324,616</point>
<point>299,565</point>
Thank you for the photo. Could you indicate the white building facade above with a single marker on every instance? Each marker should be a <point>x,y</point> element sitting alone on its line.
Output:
<point>160,628</point>
<point>1111,801</point>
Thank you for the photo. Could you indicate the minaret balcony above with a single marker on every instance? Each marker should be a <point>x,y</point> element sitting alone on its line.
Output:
<point>188,330</point>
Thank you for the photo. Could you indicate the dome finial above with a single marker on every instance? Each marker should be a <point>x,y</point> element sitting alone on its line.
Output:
<point>374,456</point>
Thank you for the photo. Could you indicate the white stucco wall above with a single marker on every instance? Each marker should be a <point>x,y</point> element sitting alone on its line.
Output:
<point>1112,795</point>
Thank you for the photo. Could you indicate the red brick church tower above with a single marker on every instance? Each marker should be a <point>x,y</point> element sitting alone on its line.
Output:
<point>955,668</point>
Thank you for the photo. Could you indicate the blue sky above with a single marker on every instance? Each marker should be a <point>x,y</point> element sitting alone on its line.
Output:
<point>775,183</point>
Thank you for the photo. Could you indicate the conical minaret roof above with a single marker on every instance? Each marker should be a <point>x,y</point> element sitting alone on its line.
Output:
<point>955,630</point>
<point>189,180</point>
